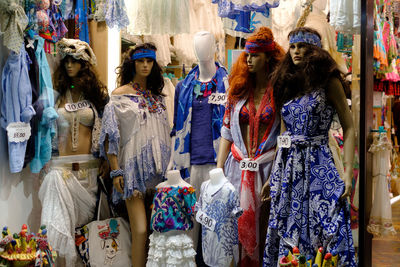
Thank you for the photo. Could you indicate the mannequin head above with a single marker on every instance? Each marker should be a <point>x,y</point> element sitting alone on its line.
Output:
<point>76,70</point>
<point>262,54</point>
<point>305,67</point>
<point>141,61</point>
<point>204,46</point>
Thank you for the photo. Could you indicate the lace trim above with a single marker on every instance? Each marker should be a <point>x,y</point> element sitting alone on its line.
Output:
<point>109,128</point>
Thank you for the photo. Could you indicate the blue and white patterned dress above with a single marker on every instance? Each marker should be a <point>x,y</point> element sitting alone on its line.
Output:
<point>306,210</point>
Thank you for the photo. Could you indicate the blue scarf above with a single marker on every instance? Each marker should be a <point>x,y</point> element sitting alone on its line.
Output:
<point>184,116</point>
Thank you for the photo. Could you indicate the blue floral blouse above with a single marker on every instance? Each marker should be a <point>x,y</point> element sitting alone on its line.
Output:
<point>173,209</point>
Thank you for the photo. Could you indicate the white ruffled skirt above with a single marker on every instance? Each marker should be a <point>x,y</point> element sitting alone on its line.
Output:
<point>171,249</point>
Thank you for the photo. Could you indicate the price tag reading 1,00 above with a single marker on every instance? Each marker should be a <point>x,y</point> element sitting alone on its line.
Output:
<point>248,165</point>
<point>205,220</point>
<point>217,99</point>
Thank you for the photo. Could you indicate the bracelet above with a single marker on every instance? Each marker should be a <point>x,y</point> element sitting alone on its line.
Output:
<point>116,173</point>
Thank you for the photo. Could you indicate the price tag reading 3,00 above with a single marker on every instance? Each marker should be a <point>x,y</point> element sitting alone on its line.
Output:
<point>248,165</point>
<point>205,220</point>
<point>217,99</point>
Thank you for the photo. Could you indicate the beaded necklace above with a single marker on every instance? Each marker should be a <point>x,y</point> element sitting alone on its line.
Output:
<point>153,104</point>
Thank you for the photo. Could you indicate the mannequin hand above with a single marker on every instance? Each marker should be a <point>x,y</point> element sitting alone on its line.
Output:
<point>118,183</point>
<point>348,186</point>
<point>265,192</point>
<point>104,169</point>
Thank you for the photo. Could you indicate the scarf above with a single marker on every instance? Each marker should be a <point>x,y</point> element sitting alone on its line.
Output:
<point>184,116</point>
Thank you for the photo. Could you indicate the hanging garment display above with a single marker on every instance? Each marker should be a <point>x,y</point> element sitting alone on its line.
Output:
<point>16,106</point>
<point>116,14</point>
<point>380,222</point>
<point>81,21</point>
<point>345,15</point>
<point>13,22</point>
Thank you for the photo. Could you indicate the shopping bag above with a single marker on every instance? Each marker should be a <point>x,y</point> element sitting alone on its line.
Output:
<point>102,243</point>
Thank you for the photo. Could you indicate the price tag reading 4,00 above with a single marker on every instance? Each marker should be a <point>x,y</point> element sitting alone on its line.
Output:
<point>205,220</point>
<point>248,165</point>
<point>217,99</point>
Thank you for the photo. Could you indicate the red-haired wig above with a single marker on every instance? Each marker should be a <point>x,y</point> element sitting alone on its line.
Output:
<point>241,81</point>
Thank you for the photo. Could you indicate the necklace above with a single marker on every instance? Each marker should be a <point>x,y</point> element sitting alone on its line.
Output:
<point>153,104</point>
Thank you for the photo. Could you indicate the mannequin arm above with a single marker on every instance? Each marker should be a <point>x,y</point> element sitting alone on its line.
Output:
<point>223,151</point>
<point>118,182</point>
<point>171,159</point>
<point>337,98</point>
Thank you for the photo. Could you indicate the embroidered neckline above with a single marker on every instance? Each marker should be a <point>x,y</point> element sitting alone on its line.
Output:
<point>151,102</point>
<point>204,89</point>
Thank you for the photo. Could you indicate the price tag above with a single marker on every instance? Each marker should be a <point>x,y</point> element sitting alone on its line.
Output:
<point>248,165</point>
<point>284,141</point>
<point>18,132</point>
<point>217,99</point>
<point>205,220</point>
<point>72,107</point>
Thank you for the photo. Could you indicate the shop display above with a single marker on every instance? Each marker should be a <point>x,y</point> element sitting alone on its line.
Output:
<point>135,138</point>
<point>257,142</point>
<point>69,187</point>
<point>171,218</point>
<point>217,209</point>
<point>308,205</point>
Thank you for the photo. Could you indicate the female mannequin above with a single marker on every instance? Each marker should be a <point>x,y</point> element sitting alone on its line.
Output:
<point>251,134</point>
<point>197,122</point>
<point>135,138</point>
<point>68,191</point>
<point>308,199</point>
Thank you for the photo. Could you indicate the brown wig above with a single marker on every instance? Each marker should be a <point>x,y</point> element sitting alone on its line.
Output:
<point>290,81</point>
<point>126,71</point>
<point>87,79</point>
<point>241,81</point>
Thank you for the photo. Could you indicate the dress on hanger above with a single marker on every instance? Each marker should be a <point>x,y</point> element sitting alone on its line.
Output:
<point>306,209</point>
<point>380,222</point>
<point>220,245</point>
<point>171,218</point>
<point>345,15</point>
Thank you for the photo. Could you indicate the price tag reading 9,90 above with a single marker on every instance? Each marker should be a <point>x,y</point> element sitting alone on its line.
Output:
<point>217,99</point>
<point>18,132</point>
<point>284,141</point>
<point>205,220</point>
<point>248,165</point>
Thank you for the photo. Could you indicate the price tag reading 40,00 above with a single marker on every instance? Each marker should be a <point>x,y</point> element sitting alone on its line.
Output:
<point>18,132</point>
<point>248,165</point>
<point>217,99</point>
<point>205,220</point>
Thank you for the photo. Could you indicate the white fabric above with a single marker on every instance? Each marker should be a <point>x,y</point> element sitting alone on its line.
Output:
<point>345,15</point>
<point>380,222</point>
<point>169,92</point>
<point>68,201</point>
<point>114,252</point>
<point>158,17</point>
<point>174,248</point>
<point>163,44</point>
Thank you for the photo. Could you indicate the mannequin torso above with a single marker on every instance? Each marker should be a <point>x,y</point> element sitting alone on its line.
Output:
<point>174,179</point>
<point>217,180</point>
<point>204,47</point>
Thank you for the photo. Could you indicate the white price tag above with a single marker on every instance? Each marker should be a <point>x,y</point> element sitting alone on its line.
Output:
<point>205,220</point>
<point>18,132</point>
<point>217,99</point>
<point>248,165</point>
<point>72,107</point>
<point>284,141</point>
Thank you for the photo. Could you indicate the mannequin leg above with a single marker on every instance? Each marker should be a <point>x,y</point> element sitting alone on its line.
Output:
<point>138,224</point>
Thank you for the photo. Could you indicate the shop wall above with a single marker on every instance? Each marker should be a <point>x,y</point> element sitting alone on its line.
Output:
<point>19,203</point>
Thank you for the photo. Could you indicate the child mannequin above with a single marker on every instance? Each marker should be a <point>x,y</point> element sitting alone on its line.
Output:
<point>217,180</point>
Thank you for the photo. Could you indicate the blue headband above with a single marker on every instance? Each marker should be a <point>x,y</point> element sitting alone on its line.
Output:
<point>142,53</point>
<point>305,37</point>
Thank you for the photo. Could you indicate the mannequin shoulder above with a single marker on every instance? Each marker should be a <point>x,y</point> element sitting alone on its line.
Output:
<point>125,89</point>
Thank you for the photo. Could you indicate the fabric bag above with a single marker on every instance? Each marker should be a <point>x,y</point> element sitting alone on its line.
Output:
<point>102,243</point>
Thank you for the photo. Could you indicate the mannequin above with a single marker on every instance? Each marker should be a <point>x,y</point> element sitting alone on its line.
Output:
<point>251,136</point>
<point>219,203</point>
<point>171,219</point>
<point>69,188</point>
<point>136,119</point>
<point>196,120</point>
<point>316,213</point>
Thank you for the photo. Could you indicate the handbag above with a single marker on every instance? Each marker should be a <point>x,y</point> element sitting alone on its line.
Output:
<point>107,242</point>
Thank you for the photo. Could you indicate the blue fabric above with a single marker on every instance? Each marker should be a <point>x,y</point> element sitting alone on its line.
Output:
<point>46,128</point>
<point>83,26</point>
<point>307,37</point>
<point>116,14</point>
<point>227,9</point>
<point>183,116</point>
<point>16,102</point>
<point>142,53</point>
<point>306,209</point>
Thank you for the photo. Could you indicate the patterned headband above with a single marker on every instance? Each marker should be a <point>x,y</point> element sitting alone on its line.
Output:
<point>305,37</point>
<point>142,53</point>
<point>258,46</point>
